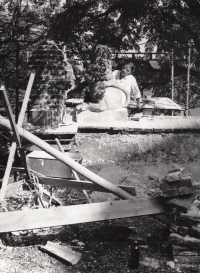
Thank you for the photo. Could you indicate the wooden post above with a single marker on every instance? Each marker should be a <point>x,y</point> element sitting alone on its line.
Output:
<point>188,81</point>
<point>14,146</point>
<point>17,82</point>
<point>70,162</point>
<point>172,77</point>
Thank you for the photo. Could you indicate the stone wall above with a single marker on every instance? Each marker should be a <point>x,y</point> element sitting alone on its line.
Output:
<point>150,148</point>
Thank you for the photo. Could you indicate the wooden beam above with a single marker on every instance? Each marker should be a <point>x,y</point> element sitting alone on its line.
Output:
<point>69,215</point>
<point>14,145</point>
<point>80,184</point>
<point>62,252</point>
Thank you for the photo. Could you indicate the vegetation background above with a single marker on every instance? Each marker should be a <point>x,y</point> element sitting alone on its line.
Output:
<point>163,26</point>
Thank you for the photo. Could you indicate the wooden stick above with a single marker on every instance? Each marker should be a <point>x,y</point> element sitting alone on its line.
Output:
<point>14,169</point>
<point>69,215</point>
<point>14,145</point>
<point>62,252</point>
<point>79,184</point>
<point>68,161</point>
<point>74,173</point>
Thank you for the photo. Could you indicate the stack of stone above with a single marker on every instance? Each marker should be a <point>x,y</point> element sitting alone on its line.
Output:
<point>184,236</point>
<point>176,183</point>
<point>54,78</point>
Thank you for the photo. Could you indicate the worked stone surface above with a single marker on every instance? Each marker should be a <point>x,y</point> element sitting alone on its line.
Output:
<point>119,114</point>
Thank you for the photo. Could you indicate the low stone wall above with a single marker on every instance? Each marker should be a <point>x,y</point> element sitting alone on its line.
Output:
<point>150,148</point>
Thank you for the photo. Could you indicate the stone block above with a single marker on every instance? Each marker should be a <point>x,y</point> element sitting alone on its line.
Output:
<point>173,176</point>
<point>175,170</point>
<point>119,114</point>
<point>171,192</point>
<point>190,258</point>
<point>186,190</point>
<point>186,241</point>
<point>195,231</point>
<point>164,185</point>
<point>186,182</point>
<point>175,250</point>
<point>50,117</point>
<point>179,229</point>
<point>183,230</point>
<point>183,203</point>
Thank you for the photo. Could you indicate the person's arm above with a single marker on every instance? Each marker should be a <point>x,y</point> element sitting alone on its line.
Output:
<point>116,84</point>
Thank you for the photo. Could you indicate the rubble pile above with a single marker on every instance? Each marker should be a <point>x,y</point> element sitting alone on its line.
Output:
<point>184,237</point>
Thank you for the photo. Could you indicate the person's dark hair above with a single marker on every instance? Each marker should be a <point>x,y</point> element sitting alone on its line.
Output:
<point>130,65</point>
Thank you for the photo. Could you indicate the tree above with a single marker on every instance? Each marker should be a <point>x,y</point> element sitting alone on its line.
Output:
<point>122,24</point>
<point>23,24</point>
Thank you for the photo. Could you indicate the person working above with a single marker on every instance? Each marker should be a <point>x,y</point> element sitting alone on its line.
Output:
<point>128,81</point>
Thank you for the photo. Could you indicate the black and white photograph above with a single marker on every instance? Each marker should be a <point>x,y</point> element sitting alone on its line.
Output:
<point>99,136</point>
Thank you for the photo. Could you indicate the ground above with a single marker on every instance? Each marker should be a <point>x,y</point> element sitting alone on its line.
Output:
<point>101,243</point>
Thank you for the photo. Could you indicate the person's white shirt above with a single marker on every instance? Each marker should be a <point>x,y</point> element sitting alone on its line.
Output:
<point>130,83</point>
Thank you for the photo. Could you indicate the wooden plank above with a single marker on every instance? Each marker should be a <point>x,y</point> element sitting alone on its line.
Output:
<point>14,129</point>
<point>62,252</point>
<point>77,184</point>
<point>10,115</point>
<point>14,145</point>
<point>69,215</point>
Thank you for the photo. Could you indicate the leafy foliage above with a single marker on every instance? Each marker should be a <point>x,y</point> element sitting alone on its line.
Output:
<point>163,25</point>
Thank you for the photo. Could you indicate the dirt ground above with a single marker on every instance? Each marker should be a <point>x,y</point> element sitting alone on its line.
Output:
<point>102,244</point>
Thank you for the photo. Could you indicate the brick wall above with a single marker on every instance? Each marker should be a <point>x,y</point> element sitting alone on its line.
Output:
<point>54,78</point>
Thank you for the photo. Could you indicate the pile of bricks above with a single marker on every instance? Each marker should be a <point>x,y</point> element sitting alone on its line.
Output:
<point>53,79</point>
<point>176,183</point>
<point>184,238</point>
